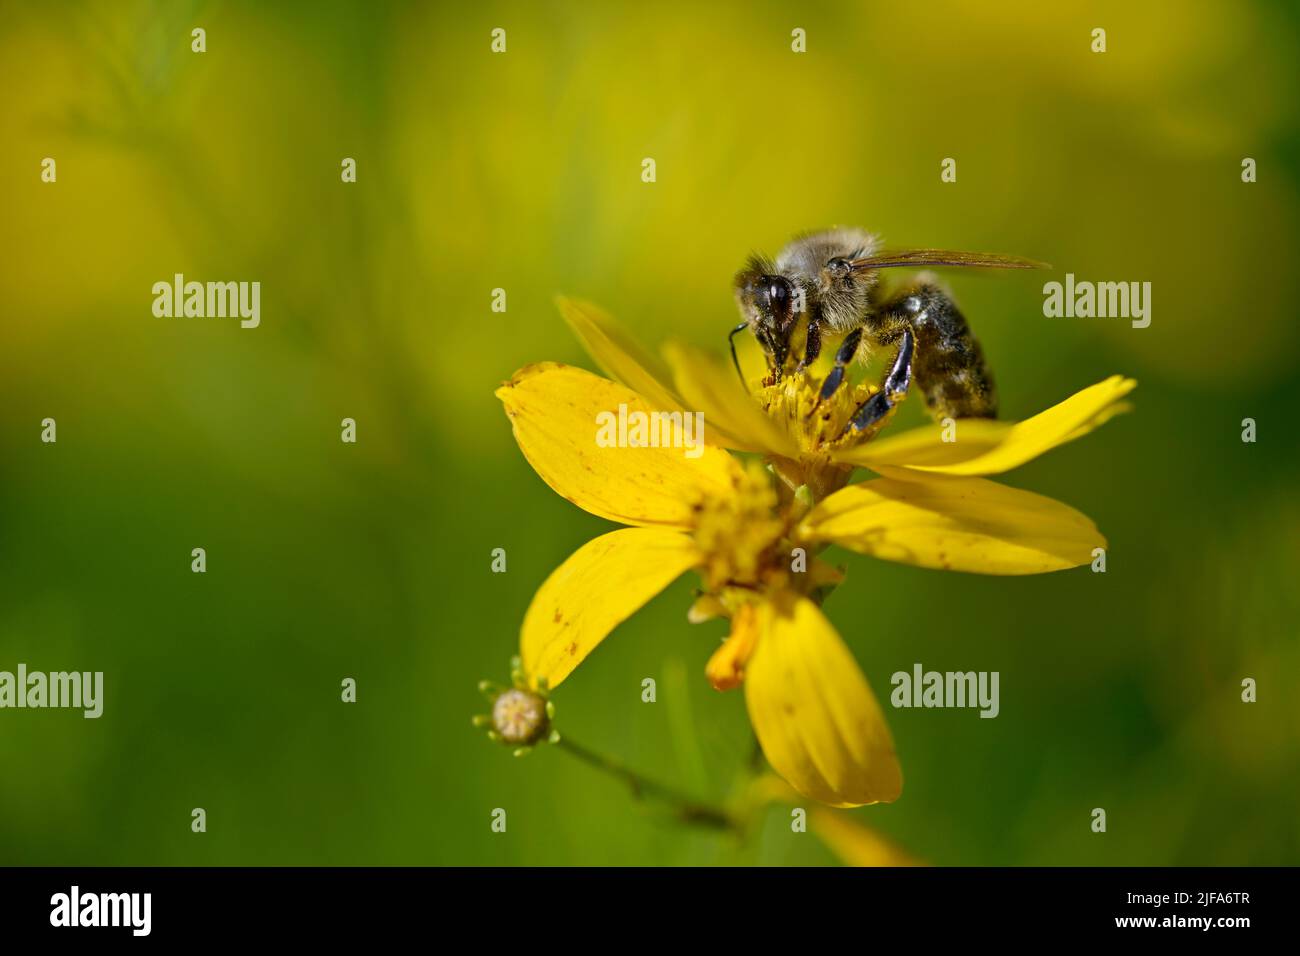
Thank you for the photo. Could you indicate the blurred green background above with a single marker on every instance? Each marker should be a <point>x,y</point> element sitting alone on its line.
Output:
<point>522,171</point>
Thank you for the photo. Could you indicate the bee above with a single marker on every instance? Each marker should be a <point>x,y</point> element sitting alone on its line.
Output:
<point>833,277</point>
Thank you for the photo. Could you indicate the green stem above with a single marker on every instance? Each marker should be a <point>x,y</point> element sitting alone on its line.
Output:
<point>687,808</point>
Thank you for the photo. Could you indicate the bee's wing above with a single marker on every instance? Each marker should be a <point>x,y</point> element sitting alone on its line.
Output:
<point>893,258</point>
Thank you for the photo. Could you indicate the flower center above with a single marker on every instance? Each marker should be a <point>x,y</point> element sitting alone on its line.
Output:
<point>816,424</point>
<point>740,535</point>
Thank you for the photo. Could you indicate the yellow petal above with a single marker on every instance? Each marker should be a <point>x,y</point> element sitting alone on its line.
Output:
<point>813,711</point>
<point>706,608</point>
<point>726,668</point>
<point>924,446</point>
<point>601,585</point>
<point>956,524</point>
<point>731,412</point>
<point>554,410</point>
<point>853,843</point>
<point>618,354</point>
<point>985,447</point>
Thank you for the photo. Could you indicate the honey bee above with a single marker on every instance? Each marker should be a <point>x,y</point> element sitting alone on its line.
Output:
<point>834,278</point>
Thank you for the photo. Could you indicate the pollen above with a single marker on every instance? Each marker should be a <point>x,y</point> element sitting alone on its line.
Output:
<point>817,425</point>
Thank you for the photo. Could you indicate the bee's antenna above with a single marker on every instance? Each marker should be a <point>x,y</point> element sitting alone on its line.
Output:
<point>731,340</point>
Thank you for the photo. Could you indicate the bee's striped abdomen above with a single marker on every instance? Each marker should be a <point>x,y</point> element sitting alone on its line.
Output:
<point>948,364</point>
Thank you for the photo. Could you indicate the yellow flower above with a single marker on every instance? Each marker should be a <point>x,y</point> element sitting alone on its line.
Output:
<point>754,537</point>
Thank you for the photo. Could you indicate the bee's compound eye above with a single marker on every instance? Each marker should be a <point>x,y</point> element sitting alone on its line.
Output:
<point>778,291</point>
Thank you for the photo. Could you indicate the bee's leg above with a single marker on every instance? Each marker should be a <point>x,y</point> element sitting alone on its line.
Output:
<point>894,389</point>
<point>813,345</point>
<point>731,340</point>
<point>843,356</point>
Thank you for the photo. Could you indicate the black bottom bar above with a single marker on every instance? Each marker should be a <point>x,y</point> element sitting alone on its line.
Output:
<point>335,905</point>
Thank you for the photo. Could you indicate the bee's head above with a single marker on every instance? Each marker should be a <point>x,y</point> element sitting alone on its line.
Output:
<point>767,301</point>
